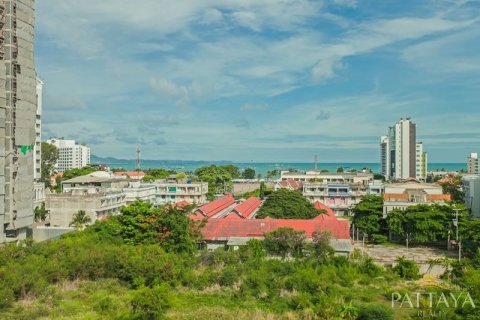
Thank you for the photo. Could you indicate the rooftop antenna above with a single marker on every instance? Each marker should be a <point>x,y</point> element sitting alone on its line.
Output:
<point>316,166</point>
<point>137,162</point>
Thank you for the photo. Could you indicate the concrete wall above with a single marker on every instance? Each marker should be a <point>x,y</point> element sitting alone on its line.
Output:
<point>39,234</point>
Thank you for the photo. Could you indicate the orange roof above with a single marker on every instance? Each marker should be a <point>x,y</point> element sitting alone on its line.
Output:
<point>439,197</point>
<point>390,196</point>
<point>248,207</point>
<point>214,207</point>
<point>222,229</point>
<point>328,211</point>
<point>291,183</point>
<point>130,173</point>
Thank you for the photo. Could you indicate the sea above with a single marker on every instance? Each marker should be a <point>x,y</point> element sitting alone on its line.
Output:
<point>260,167</point>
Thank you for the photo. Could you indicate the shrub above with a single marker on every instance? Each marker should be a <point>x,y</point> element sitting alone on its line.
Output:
<point>375,312</point>
<point>407,269</point>
<point>379,238</point>
<point>151,303</point>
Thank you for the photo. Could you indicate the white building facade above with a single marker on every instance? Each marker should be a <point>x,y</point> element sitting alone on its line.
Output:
<point>71,154</point>
<point>37,148</point>
<point>401,156</point>
<point>471,187</point>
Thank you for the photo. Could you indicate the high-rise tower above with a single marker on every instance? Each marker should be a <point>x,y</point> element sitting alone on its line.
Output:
<point>17,117</point>
<point>398,151</point>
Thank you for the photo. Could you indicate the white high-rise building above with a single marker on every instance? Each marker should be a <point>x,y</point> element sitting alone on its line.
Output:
<point>473,164</point>
<point>421,162</point>
<point>398,151</point>
<point>37,148</point>
<point>70,154</point>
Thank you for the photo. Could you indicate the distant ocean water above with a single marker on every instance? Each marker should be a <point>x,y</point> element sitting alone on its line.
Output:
<point>259,167</point>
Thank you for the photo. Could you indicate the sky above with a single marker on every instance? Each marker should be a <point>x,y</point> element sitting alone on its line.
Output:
<point>250,80</point>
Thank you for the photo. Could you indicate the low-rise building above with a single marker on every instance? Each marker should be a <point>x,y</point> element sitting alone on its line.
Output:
<point>363,178</point>
<point>404,194</point>
<point>99,205</point>
<point>174,192</point>
<point>471,188</point>
<point>132,175</point>
<point>99,194</point>
<point>38,194</point>
<point>140,191</point>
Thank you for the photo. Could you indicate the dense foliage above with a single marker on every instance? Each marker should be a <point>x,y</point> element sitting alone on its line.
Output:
<point>248,173</point>
<point>49,158</point>
<point>142,266</point>
<point>219,178</point>
<point>157,174</point>
<point>368,215</point>
<point>287,204</point>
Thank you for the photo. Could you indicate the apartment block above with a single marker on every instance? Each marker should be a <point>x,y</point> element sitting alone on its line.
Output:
<point>401,156</point>
<point>471,187</point>
<point>71,154</point>
<point>421,162</point>
<point>18,105</point>
<point>473,164</point>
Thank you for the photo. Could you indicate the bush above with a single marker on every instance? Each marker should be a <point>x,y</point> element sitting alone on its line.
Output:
<point>407,269</point>
<point>379,238</point>
<point>375,312</point>
<point>151,303</point>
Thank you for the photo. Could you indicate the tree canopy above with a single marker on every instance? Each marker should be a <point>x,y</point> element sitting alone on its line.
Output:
<point>368,215</point>
<point>49,159</point>
<point>248,173</point>
<point>219,178</point>
<point>287,204</point>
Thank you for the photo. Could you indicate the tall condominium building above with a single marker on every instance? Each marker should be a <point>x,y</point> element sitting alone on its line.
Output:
<point>385,156</point>
<point>17,117</point>
<point>70,154</point>
<point>398,151</point>
<point>37,148</point>
<point>472,164</point>
<point>421,162</point>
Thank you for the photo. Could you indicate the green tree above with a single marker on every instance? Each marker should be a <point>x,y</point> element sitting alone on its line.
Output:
<point>158,173</point>
<point>321,245</point>
<point>454,187</point>
<point>248,173</point>
<point>285,242</point>
<point>49,159</point>
<point>340,170</point>
<point>368,215</point>
<point>233,170</point>
<point>40,213</point>
<point>219,178</point>
<point>80,219</point>
<point>181,176</point>
<point>287,204</point>
<point>77,172</point>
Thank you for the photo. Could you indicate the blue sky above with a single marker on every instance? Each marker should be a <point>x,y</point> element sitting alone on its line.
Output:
<point>270,80</point>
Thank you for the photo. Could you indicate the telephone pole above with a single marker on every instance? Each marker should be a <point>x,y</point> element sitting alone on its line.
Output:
<point>137,161</point>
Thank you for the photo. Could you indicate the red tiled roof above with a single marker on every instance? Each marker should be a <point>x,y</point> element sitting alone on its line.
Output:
<point>130,173</point>
<point>233,215</point>
<point>216,206</point>
<point>291,183</point>
<point>246,208</point>
<point>222,229</point>
<point>182,203</point>
<point>329,213</point>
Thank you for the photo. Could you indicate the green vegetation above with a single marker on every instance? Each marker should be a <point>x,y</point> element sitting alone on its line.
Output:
<point>73,173</point>
<point>80,220</point>
<point>219,178</point>
<point>49,158</point>
<point>287,204</point>
<point>248,173</point>
<point>144,265</point>
<point>157,174</point>
<point>407,269</point>
<point>454,187</point>
<point>40,213</point>
<point>368,215</point>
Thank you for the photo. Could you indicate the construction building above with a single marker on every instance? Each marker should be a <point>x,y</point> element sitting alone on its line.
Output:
<point>18,105</point>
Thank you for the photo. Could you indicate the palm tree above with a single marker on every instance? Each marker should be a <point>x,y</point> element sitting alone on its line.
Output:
<point>80,219</point>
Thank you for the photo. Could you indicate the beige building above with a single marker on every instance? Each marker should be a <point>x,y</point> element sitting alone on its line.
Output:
<point>473,164</point>
<point>410,193</point>
<point>99,194</point>
<point>174,192</point>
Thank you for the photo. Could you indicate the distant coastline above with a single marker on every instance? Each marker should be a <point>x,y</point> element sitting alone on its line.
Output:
<point>260,167</point>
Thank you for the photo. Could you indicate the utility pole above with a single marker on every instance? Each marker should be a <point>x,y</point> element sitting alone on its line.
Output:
<point>137,162</point>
